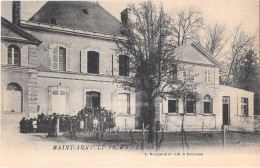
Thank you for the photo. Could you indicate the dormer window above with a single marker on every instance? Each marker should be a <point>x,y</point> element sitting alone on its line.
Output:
<point>53,21</point>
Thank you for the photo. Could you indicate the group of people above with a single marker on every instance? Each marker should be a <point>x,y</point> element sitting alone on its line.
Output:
<point>87,120</point>
<point>97,119</point>
<point>43,124</point>
<point>28,125</point>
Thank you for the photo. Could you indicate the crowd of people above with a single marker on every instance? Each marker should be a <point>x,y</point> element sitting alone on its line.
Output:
<point>87,120</point>
<point>41,124</point>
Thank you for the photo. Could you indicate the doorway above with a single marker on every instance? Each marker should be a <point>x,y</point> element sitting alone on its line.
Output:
<point>93,99</point>
<point>226,110</point>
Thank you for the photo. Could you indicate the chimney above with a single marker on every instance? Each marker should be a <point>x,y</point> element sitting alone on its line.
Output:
<point>125,14</point>
<point>16,12</point>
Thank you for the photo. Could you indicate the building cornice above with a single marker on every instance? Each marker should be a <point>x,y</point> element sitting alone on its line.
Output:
<point>15,39</point>
<point>67,30</point>
<point>198,63</point>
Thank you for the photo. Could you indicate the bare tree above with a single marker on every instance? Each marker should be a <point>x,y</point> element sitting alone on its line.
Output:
<point>186,24</point>
<point>240,44</point>
<point>154,67</point>
<point>215,40</point>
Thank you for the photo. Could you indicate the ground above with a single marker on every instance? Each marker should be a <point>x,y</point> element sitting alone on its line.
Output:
<point>117,149</point>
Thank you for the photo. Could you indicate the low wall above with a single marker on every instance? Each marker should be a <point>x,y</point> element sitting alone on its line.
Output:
<point>191,122</point>
<point>125,122</point>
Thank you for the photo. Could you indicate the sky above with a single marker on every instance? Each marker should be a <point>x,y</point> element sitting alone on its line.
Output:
<point>227,12</point>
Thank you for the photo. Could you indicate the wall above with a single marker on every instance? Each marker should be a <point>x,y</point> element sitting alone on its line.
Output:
<point>19,75</point>
<point>77,43</point>
<point>198,120</point>
<point>24,75</point>
<point>237,121</point>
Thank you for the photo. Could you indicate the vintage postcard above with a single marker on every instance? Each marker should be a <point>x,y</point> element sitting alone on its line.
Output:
<point>114,83</point>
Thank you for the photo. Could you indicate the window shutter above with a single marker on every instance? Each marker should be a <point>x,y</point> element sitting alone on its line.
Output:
<point>55,58</point>
<point>114,102</point>
<point>177,105</point>
<point>209,75</point>
<point>211,107</point>
<point>3,54</point>
<point>206,75</point>
<point>200,107</point>
<point>24,56</point>
<point>132,103</point>
<point>165,105</point>
<point>181,106</point>
<point>130,69</point>
<point>102,63</point>
<point>69,61</point>
<point>115,65</point>
<point>83,61</point>
<point>50,55</point>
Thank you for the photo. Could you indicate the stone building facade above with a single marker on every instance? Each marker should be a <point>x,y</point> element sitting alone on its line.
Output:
<point>18,70</point>
<point>61,61</point>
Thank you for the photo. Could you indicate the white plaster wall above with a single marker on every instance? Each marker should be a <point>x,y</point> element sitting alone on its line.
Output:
<point>237,121</point>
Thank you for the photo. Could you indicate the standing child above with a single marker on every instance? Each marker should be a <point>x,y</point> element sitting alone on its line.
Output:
<point>81,125</point>
<point>95,124</point>
<point>34,123</point>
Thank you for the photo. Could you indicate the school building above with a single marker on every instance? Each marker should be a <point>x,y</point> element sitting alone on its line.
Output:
<point>60,61</point>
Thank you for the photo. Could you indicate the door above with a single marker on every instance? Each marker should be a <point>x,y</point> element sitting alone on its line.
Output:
<point>93,99</point>
<point>225,109</point>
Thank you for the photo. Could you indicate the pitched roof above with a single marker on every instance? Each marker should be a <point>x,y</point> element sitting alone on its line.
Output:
<point>203,56</point>
<point>12,32</point>
<point>84,15</point>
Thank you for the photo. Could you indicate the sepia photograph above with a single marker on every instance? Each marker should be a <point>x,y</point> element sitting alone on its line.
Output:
<point>130,83</point>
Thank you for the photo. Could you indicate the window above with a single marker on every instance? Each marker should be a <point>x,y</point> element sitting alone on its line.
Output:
<point>123,103</point>
<point>123,65</point>
<point>244,106</point>
<point>13,98</point>
<point>207,105</point>
<point>93,99</point>
<point>14,55</point>
<point>172,106</point>
<point>207,75</point>
<point>62,59</point>
<point>174,72</point>
<point>189,74</point>
<point>93,62</point>
<point>191,104</point>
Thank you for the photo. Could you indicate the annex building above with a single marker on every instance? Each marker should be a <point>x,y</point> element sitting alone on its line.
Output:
<point>60,61</point>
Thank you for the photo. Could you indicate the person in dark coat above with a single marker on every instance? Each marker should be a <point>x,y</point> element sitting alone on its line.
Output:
<point>45,124</point>
<point>73,127</point>
<point>22,125</point>
<point>54,125</point>
<point>49,126</point>
<point>31,125</point>
<point>86,123</point>
<point>27,126</point>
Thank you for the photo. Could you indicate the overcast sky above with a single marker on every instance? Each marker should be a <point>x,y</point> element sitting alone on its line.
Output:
<point>227,12</point>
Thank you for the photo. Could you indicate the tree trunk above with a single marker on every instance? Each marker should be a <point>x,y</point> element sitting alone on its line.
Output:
<point>151,120</point>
